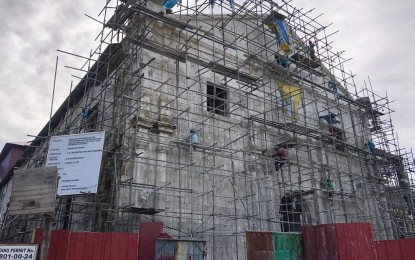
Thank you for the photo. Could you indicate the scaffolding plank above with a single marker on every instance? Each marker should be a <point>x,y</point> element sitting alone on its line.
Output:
<point>159,49</point>
<point>305,61</point>
<point>119,17</point>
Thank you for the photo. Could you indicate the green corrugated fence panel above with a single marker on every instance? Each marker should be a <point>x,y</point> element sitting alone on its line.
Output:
<point>288,246</point>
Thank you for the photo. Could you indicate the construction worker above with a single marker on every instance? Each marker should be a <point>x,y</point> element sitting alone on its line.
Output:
<point>333,133</point>
<point>311,46</point>
<point>371,146</point>
<point>330,186</point>
<point>86,112</point>
<point>194,139</point>
<point>281,157</point>
<point>281,60</point>
<point>333,85</point>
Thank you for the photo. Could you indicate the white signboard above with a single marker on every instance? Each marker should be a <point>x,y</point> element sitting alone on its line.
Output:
<point>78,158</point>
<point>17,251</point>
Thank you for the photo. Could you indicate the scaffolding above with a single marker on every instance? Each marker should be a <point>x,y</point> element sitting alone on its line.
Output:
<point>221,72</point>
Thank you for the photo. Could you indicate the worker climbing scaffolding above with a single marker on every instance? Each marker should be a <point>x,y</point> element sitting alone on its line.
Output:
<point>333,85</point>
<point>281,157</point>
<point>86,112</point>
<point>372,147</point>
<point>311,50</point>
<point>281,60</point>
<point>330,186</point>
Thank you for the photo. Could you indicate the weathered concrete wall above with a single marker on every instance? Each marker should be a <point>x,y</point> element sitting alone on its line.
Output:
<point>228,185</point>
<point>5,194</point>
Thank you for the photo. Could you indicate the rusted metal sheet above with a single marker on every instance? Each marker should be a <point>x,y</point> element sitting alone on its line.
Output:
<point>66,245</point>
<point>59,242</point>
<point>173,249</point>
<point>37,239</point>
<point>339,241</point>
<point>310,243</point>
<point>260,245</point>
<point>149,232</point>
<point>327,233</point>
<point>320,242</point>
<point>408,248</point>
<point>355,241</point>
<point>403,249</point>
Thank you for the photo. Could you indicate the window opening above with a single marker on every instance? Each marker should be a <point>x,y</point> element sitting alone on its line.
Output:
<point>217,100</point>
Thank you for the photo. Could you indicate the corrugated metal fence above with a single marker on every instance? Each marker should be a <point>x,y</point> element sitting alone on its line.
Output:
<point>339,241</point>
<point>171,249</point>
<point>274,245</point>
<point>403,249</point>
<point>66,245</point>
<point>344,241</point>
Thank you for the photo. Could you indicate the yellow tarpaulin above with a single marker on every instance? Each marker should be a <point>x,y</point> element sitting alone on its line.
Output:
<point>285,46</point>
<point>291,96</point>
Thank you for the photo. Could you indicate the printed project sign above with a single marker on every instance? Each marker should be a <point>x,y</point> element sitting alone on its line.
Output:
<point>17,251</point>
<point>78,158</point>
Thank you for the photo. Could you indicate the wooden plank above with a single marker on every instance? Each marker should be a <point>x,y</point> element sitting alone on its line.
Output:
<point>27,202</point>
<point>44,250</point>
<point>24,193</point>
<point>34,191</point>
<point>36,197</point>
<point>44,210</point>
<point>31,182</point>
<point>31,204</point>
<point>40,170</point>
<point>31,188</point>
<point>42,207</point>
<point>35,174</point>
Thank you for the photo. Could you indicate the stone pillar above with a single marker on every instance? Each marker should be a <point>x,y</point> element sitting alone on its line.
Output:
<point>141,172</point>
<point>164,129</point>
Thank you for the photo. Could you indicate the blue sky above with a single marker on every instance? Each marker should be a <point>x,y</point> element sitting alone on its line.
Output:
<point>377,34</point>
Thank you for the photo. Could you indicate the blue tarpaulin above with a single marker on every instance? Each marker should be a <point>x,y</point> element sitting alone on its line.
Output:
<point>169,4</point>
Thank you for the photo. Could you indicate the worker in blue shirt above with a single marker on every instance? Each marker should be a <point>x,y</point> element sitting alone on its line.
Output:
<point>194,139</point>
<point>371,146</point>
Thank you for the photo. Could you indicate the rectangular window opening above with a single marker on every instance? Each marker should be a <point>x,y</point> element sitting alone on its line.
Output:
<point>217,99</point>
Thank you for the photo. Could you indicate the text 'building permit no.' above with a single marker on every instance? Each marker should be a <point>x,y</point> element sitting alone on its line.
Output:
<point>78,158</point>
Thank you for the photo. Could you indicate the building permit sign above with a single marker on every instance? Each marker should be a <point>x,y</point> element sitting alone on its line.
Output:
<point>18,251</point>
<point>78,158</point>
